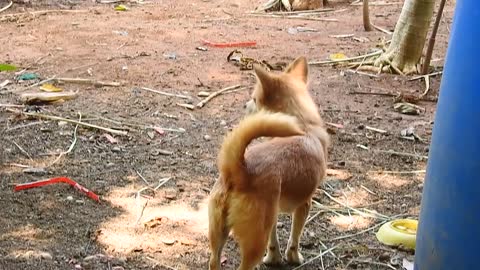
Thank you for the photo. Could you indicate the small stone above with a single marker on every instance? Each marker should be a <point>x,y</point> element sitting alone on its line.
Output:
<point>203,94</point>
<point>171,195</point>
<point>80,201</point>
<point>151,134</point>
<point>361,127</point>
<point>62,123</point>
<point>45,256</point>
<point>35,171</point>
<point>280,225</point>
<point>116,149</point>
<point>207,137</point>
<point>384,257</point>
<point>342,163</point>
<point>223,123</point>
<point>78,267</point>
<point>70,198</point>
<point>169,242</point>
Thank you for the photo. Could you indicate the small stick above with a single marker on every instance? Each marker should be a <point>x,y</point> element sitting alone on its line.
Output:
<point>51,117</point>
<point>431,41</point>
<point>427,86</point>
<point>300,11</point>
<point>362,73</point>
<point>162,182</point>
<point>381,29</point>
<point>402,154</point>
<point>342,36</point>
<point>400,172</point>
<point>40,12</point>
<point>71,145</point>
<point>24,126</point>
<point>429,75</point>
<point>187,106</point>
<point>373,93</point>
<point>296,17</point>
<point>42,82</point>
<point>358,233</point>
<point>217,93</point>
<point>143,178</point>
<point>157,263</point>
<point>381,3</point>
<point>11,106</point>
<point>381,131</point>
<point>319,63</point>
<point>22,150</point>
<point>87,81</point>
<point>165,93</point>
<point>316,257</point>
<point>6,7</point>
<point>375,263</point>
<point>367,190</point>
<point>363,214</point>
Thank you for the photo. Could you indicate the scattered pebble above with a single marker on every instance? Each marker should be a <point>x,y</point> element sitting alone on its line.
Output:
<point>116,149</point>
<point>70,198</point>
<point>207,137</point>
<point>151,134</point>
<point>223,123</point>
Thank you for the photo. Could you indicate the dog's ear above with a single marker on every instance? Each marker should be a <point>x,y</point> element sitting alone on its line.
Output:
<point>298,68</point>
<point>263,76</point>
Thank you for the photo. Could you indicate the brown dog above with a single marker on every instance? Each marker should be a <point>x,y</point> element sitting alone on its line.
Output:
<point>279,175</point>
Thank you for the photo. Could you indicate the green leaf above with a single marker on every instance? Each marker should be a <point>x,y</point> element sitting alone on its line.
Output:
<point>7,67</point>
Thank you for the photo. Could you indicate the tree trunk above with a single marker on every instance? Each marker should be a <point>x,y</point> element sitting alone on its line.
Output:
<point>409,37</point>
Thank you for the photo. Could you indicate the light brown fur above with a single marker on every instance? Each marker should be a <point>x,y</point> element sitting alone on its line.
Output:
<point>308,4</point>
<point>279,175</point>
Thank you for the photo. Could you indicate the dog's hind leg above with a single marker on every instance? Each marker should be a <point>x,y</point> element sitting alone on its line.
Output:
<point>273,257</point>
<point>299,217</point>
<point>217,235</point>
<point>252,246</point>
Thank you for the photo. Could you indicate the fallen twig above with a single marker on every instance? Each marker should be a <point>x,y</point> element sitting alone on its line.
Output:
<point>367,190</point>
<point>143,178</point>
<point>40,12</point>
<point>361,213</point>
<point>24,126</point>
<point>374,263</point>
<point>298,17</point>
<point>336,61</point>
<point>71,145</point>
<point>402,154</point>
<point>298,12</point>
<point>87,81</point>
<point>429,75</point>
<point>162,182</point>
<point>22,150</point>
<point>342,36</point>
<point>165,93</point>
<point>217,93</point>
<point>400,172</point>
<point>381,131</point>
<point>57,118</point>
<point>362,73</point>
<point>379,3</point>
<point>6,7</point>
<point>316,257</point>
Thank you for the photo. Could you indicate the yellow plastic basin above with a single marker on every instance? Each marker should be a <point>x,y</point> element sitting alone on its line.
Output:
<point>400,232</point>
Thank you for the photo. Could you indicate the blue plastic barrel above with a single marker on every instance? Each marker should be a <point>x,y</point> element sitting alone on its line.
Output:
<point>449,224</point>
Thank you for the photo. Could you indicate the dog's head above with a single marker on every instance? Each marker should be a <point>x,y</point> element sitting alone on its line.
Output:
<point>285,92</point>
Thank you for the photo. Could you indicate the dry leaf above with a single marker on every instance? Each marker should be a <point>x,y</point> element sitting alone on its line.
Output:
<point>337,56</point>
<point>50,88</point>
<point>31,98</point>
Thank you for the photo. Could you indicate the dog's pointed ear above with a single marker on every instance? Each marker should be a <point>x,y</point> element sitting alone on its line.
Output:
<point>298,68</point>
<point>262,75</point>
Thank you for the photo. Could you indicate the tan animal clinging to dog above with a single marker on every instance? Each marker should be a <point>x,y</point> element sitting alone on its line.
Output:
<point>279,175</point>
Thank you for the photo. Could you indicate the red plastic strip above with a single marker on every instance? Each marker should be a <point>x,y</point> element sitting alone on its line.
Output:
<point>230,44</point>
<point>69,181</point>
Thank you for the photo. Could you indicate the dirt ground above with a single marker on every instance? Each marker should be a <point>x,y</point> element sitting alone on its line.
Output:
<point>154,45</point>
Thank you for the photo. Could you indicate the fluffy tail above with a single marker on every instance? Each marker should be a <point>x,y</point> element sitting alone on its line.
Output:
<point>260,124</point>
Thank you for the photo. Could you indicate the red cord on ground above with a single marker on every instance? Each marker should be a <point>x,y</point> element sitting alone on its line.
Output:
<point>69,181</point>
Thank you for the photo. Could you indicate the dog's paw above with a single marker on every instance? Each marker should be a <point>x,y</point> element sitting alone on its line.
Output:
<point>293,256</point>
<point>272,258</point>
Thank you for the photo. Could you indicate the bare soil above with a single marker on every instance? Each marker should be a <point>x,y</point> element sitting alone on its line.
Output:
<point>153,45</point>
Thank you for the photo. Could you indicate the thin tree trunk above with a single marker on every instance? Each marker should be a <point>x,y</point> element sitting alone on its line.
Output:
<point>366,17</point>
<point>409,37</point>
<point>431,41</point>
